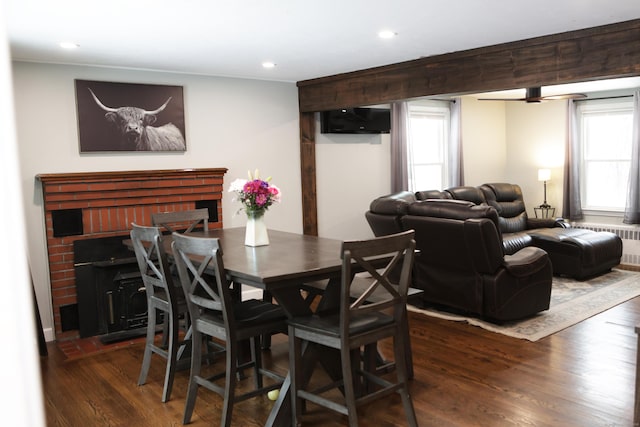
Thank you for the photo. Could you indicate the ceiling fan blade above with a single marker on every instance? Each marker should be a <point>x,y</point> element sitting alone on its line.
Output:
<point>566,96</point>
<point>502,99</point>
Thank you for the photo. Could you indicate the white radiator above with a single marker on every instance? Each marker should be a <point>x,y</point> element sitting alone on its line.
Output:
<point>629,234</point>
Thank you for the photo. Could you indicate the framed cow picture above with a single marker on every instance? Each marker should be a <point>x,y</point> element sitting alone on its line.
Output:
<point>129,117</point>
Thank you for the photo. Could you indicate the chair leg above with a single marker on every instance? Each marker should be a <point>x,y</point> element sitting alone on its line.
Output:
<point>295,375</point>
<point>266,338</point>
<point>400,347</point>
<point>196,359</point>
<point>172,356</point>
<point>408,355</point>
<point>151,333</point>
<point>349,391</point>
<point>230,384</point>
<point>165,330</point>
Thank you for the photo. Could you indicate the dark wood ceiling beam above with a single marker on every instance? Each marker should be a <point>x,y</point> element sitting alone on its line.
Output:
<point>601,52</point>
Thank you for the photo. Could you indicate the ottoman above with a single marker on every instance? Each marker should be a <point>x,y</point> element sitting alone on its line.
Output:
<point>577,252</point>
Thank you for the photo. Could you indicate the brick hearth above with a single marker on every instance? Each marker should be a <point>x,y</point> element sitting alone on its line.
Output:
<point>105,204</point>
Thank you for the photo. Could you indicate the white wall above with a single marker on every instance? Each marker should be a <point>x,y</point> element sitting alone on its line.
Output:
<point>352,170</point>
<point>233,123</point>
<point>23,405</point>
<point>536,133</point>
<point>484,141</point>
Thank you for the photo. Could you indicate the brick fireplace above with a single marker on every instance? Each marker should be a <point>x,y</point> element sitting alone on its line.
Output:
<point>103,204</point>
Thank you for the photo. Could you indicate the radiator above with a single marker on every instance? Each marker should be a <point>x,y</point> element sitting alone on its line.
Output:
<point>629,234</point>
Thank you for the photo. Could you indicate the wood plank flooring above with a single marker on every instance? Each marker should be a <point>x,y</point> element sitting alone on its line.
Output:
<point>464,376</point>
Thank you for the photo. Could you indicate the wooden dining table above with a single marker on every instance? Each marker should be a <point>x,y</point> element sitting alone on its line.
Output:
<point>282,268</point>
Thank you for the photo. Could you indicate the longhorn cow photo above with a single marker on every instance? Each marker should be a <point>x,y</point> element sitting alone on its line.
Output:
<point>129,117</point>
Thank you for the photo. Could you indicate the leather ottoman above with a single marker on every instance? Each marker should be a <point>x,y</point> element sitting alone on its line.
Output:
<point>579,253</point>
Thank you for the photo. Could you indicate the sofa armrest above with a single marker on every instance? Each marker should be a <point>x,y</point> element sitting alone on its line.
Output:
<point>526,261</point>
<point>560,222</point>
<point>541,223</point>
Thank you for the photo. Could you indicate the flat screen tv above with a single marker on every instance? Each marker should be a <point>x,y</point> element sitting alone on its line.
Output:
<point>356,120</point>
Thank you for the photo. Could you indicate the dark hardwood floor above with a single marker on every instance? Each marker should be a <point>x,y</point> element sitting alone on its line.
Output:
<point>464,376</point>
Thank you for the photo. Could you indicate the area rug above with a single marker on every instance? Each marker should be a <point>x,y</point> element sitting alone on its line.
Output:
<point>572,301</point>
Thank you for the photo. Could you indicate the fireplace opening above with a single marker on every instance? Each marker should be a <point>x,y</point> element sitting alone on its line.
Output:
<point>112,300</point>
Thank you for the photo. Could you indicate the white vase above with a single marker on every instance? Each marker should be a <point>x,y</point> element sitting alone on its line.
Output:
<point>256,232</point>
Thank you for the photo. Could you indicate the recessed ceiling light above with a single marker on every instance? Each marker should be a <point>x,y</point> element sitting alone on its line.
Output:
<point>268,64</point>
<point>387,34</point>
<point>69,45</point>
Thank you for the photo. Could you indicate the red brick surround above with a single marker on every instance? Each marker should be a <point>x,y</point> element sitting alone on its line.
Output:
<point>110,201</point>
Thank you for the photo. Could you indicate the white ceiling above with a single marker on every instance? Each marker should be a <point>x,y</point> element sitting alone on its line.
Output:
<point>305,39</point>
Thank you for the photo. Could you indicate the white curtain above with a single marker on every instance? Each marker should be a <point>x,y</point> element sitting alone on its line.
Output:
<point>399,148</point>
<point>571,205</point>
<point>632,209</point>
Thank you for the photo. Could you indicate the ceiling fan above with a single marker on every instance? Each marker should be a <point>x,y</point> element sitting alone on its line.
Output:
<point>534,94</point>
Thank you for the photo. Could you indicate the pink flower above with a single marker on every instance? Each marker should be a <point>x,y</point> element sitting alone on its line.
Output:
<point>256,195</point>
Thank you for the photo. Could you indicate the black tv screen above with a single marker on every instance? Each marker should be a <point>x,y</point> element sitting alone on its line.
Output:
<point>356,120</point>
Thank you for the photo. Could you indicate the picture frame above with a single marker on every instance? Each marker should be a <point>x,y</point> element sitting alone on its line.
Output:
<point>116,117</point>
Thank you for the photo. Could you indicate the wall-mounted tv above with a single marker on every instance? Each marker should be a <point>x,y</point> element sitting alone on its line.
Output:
<point>356,120</point>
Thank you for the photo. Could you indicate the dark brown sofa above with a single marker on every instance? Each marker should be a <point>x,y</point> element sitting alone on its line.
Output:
<point>573,252</point>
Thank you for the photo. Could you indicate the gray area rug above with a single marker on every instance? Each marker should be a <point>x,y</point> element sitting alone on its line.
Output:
<point>572,301</point>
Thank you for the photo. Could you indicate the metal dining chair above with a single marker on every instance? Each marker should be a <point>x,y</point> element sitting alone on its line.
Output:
<point>215,314</point>
<point>162,295</point>
<point>182,221</point>
<point>372,308</point>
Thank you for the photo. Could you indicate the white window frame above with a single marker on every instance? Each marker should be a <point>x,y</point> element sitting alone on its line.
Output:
<point>430,109</point>
<point>603,108</point>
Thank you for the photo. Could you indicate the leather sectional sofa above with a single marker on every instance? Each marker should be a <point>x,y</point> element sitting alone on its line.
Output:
<point>450,266</point>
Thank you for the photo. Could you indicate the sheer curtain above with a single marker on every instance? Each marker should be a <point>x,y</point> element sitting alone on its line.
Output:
<point>401,156</point>
<point>456,169</point>
<point>632,210</point>
<point>571,205</point>
<point>399,146</point>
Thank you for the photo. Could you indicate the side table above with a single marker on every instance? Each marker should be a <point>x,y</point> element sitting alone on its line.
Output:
<point>544,211</point>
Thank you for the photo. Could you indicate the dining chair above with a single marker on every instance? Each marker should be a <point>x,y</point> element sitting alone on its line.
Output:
<point>162,295</point>
<point>355,329</point>
<point>182,221</point>
<point>215,314</point>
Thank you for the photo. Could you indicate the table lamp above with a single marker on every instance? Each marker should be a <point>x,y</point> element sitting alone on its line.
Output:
<point>544,175</point>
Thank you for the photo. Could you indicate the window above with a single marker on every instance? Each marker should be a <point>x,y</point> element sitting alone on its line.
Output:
<point>429,124</point>
<point>605,129</point>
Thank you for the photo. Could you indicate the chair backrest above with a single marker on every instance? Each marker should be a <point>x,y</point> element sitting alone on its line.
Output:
<point>182,221</point>
<point>378,257</point>
<point>152,262</point>
<point>193,257</point>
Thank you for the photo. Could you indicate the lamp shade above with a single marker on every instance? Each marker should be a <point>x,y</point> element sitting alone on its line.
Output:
<point>544,174</point>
